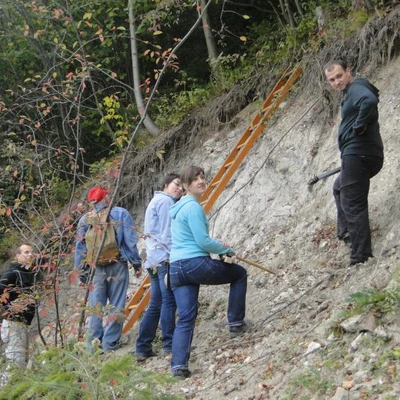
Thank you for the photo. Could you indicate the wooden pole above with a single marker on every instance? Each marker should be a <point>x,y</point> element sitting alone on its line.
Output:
<point>254,264</point>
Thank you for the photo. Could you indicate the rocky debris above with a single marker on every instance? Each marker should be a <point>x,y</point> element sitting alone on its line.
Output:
<point>359,323</point>
<point>268,215</point>
<point>341,394</point>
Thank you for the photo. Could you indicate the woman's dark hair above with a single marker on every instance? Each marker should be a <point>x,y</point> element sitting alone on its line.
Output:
<point>168,179</point>
<point>189,174</point>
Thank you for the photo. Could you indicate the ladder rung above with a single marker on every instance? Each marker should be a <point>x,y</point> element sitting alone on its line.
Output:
<point>289,72</point>
<point>215,183</point>
<point>240,146</point>
<point>278,90</point>
<point>146,285</point>
<point>132,307</point>
<point>264,110</point>
<point>227,165</point>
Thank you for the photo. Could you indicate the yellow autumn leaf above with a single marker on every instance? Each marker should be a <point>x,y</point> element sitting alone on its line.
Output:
<point>243,38</point>
<point>245,16</point>
<point>157,33</point>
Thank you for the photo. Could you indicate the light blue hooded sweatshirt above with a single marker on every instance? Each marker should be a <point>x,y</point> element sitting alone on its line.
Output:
<point>189,229</point>
<point>157,228</point>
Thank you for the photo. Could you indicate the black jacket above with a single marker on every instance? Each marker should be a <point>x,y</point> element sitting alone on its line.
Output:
<point>16,293</point>
<point>359,112</point>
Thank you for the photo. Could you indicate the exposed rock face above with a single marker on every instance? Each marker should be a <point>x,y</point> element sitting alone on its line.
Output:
<point>268,215</point>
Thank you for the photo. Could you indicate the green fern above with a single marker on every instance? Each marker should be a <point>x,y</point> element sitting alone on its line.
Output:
<point>58,374</point>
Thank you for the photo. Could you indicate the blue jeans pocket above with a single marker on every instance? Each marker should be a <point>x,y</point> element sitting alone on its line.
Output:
<point>200,270</point>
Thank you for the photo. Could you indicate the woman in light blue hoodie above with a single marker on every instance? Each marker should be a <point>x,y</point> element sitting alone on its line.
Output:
<point>191,265</point>
<point>162,308</point>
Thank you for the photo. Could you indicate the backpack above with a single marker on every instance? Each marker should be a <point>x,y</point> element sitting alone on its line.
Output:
<point>99,226</point>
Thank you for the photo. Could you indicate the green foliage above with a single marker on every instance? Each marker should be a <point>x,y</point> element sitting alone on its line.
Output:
<point>345,27</point>
<point>384,301</point>
<point>368,300</point>
<point>59,192</point>
<point>142,139</point>
<point>67,375</point>
<point>8,242</point>
<point>173,108</point>
<point>105,168</point>
<point>334,356</point>
<point>301,35</point>
<point>310,382</point>
<point>233,68</point>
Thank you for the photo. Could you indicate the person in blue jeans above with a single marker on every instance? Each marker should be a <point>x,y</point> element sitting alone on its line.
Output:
<point>191,266</point>
<point>162,308</point>
<point>110,282</point>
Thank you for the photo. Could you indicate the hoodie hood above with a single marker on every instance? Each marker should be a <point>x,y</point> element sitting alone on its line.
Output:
<point>180,204</point>
<point>364,82</point>
<point>160,193</point>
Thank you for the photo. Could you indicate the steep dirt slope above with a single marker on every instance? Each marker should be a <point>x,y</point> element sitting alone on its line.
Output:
<point>275,220</point>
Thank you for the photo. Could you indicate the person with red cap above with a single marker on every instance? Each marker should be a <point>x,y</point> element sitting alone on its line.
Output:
<point>110,282</point>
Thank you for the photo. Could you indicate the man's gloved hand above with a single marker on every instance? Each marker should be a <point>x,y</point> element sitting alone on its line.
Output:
<point>84,275</point>
<point>360,131</point>
<point>138,269</point>
<point>83,279</point>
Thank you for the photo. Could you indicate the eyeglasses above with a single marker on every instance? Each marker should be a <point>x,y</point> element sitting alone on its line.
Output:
<point>177,183</point>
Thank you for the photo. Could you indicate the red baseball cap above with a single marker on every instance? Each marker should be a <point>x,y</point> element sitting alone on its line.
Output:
<point>97,194</point>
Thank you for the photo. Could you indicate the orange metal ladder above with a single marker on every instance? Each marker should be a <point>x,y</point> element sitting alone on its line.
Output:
<point>140,299</point>
<point>250,136</point>
<point>137,304</point>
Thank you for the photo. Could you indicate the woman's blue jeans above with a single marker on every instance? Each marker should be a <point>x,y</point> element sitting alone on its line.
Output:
<point>186,277</point>
<point>162,309</point>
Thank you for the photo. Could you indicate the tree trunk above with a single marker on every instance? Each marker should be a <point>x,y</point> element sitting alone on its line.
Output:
<point>299,9</point>
<point>210,42</point>
<point>283,9</point>
<point>290,15</point>
<point>319,13</point>
<point>148,123</point>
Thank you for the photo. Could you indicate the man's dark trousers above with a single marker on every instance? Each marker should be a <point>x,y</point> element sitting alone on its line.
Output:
<point>351,196</point>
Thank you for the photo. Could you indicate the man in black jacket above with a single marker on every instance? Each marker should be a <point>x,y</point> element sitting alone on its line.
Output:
<point>18,306</point>
<point>361,150</point>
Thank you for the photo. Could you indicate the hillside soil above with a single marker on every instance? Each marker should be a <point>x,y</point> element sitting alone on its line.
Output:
<point>296,347</point>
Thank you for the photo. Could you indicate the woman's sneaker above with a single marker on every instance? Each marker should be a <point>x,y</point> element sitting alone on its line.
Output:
<point>140,357</point>
<point>238,330</point>
<point>181,373</point>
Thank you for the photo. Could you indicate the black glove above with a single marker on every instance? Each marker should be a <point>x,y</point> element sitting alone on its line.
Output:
<point>84,275</point>
<point>360,131</point>
<point>137,267</point>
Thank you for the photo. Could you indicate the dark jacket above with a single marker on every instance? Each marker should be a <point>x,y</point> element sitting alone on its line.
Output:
<point>359,112</point>
<point>16,284</point>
